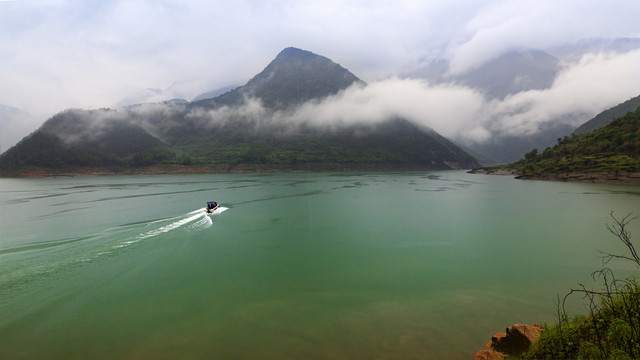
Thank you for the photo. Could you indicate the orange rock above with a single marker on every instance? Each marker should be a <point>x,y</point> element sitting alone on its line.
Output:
<point>488,355</point>
<point>496,339</point>
<point>517,340</point>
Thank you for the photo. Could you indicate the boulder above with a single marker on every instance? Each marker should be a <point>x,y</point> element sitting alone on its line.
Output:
<point>514,341</point>
<point>488,355</point>
<point>517,338</point>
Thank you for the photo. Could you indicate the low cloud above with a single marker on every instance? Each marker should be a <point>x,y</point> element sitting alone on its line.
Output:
<point>505,25</point>
<point>445,108</point>
<point>597,82</point>
<point>580,91</point>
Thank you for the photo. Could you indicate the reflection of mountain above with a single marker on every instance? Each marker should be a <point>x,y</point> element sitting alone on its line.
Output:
<point>239,128</point>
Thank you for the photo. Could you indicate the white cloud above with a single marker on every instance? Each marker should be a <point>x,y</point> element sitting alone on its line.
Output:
<point>581,91</point>
<point>59,54</point>
<point>597,82</point>
<point>505,25</point>
<point>416,100</point>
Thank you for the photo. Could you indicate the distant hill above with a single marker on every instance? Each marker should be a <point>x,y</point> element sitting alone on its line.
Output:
<point>14,124</point>
<point>519,70</point>
<point>510,73</point>
<point>607,154</point>
<point>513,72</point>
<point>609,115</point>
<point>239,130</point>
<point>507,149</point>
<point>213,93</point>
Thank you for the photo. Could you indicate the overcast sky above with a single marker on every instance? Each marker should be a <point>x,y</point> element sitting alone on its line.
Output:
<point>59,54</point>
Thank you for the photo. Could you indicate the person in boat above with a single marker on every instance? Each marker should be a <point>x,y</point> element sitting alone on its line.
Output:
<point>211,206</point>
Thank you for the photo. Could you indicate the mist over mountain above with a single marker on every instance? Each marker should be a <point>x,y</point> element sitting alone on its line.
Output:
<point>574,51</point>
<point>510,73</point>
<point>14,124</point>
<point>497,110</point>
<point>265,123</point>
<point>530,97</point>
<point>610,153</point>
<point>609,115</point>
<point>213,93</point>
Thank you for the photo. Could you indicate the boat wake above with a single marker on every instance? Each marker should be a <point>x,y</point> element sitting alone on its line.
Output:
<point>33,261</point>
<point>196,220</point>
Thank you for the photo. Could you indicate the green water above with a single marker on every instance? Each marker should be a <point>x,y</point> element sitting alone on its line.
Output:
<point>317,266</point>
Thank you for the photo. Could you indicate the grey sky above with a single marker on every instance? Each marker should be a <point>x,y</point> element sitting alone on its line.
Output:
<point>58,54</point>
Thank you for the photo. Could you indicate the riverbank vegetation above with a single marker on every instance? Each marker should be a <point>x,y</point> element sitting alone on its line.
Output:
<point>613,149</point>
<point>611,329</point>
<point>394,144</point>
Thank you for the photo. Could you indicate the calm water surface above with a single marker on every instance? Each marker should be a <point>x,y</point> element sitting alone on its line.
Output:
<point>419,265</point>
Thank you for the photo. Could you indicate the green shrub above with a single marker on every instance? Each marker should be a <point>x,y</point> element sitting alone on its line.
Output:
<point>612,328</point>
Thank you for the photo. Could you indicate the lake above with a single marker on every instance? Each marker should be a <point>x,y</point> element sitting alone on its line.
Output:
<point>411,265</point>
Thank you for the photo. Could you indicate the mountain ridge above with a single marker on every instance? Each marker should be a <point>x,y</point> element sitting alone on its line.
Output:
<point>236,130</point>
<point>609,154</point>
<point>608,115</point>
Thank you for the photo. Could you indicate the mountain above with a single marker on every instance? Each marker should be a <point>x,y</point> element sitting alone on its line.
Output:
<point>520,70</point>
<point>574,51</point>
<point>608,154</point>
<point>509,73</point>
<point>248,128</point>
<point>213,93</point>
<point>14,124</point>
<point>507,149</point>
<point>293,77</point>
<point>513,72</point>
<point>609,115</point>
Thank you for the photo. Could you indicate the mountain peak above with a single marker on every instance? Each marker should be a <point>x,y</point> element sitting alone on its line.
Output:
<point>295,52</point>
<point>293,77</point>
<point>296,76</point>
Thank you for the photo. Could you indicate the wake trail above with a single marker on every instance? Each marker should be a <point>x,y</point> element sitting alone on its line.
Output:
<point>195,215</point>
<point>23,265</point>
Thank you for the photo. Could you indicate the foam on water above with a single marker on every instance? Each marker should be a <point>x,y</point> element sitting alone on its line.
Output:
<point>72,252</point>
<point>197,219</point>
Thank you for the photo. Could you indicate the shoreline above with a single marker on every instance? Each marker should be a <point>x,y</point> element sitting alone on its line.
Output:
<point>169,169</point>
<point>624,178</point>
<point>627,178</point>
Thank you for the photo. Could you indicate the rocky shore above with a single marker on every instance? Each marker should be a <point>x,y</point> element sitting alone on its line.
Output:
<point>516,339</point>
<point>495,171</point>
<point>628,178</point>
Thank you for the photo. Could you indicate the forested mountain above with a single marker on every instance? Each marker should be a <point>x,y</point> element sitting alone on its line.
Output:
<point>612,152</point>
<point>522,70</point>
<point>252,127</point>
<point>609,115</point>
